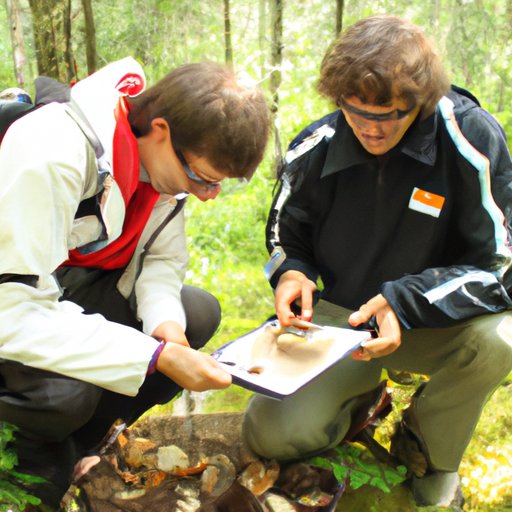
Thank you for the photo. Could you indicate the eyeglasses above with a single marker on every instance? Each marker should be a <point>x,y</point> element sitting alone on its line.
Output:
<point>394,115</point>
<point>192,175</point>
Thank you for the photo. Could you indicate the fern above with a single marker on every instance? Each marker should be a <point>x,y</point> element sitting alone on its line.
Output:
<point>12,495</point>
<point>350,464</point>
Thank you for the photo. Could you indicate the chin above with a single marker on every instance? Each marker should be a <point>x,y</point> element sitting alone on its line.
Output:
<point>377,151</point>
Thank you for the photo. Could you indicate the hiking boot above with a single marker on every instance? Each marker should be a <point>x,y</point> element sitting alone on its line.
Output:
<point>428,487</point>
<point>438,488</point>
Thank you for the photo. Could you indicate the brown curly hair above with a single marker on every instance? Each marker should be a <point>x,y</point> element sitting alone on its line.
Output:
<point>380,58</point>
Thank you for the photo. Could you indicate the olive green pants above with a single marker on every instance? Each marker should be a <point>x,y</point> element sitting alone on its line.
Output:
<point>465,363</point>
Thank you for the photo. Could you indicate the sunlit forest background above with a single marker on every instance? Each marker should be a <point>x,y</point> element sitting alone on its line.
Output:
<point>278,44</point>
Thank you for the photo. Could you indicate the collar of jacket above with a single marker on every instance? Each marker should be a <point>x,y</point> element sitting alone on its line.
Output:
<point>345,151</point>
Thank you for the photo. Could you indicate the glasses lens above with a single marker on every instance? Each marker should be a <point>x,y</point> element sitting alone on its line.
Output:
<point>192,175</point>
<point>387,116</point>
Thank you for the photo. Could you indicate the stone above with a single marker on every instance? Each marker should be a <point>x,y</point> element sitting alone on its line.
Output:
<point>171,458</point>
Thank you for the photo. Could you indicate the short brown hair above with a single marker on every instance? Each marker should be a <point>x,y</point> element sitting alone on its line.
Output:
<point>381,58</point>
<point>210,114</point>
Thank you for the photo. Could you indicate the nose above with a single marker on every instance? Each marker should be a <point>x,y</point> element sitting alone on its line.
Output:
<point>370,126</point>
<point>362,122</point>
<point>205,194</point>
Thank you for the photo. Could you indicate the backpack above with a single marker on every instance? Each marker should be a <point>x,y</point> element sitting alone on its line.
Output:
<point>14,103</point>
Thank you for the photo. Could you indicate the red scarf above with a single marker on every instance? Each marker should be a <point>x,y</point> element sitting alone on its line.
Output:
<point>139,199</point>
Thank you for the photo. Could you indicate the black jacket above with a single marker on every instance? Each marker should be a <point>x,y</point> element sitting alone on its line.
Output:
<point>427,224</point>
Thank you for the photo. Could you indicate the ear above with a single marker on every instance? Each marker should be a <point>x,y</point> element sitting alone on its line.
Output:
<point>160,129</point>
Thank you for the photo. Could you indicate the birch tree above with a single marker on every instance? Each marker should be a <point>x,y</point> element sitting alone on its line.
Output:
<point>276,7</point>
<point>90,36</point>
<point>227,34</point>
<point>17,40</point>
<point>339,16</point>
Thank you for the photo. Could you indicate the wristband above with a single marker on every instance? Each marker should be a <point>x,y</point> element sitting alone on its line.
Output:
<point>154,358</point>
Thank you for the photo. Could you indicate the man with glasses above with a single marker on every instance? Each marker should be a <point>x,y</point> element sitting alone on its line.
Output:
<point>399,204</point>
<point>95,321</point>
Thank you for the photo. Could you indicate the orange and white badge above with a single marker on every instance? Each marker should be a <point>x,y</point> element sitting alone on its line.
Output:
<point>426,202</point>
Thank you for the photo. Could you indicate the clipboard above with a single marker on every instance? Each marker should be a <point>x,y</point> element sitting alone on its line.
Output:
<point>258,362</point>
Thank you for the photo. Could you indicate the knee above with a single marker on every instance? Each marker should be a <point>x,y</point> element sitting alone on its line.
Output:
<point>504,335</point>
<point>203,315</point>
<point>54,418</point>
<point>493,347</point>
<point>273,431</point>
<point>263,434</point>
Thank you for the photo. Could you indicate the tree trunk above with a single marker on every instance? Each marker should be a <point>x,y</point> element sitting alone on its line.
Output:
<point>501,95</point>
<point>70,67</point>
<point>90,36</point>
<point>51,22</point>
<point>339,16</point>
<point>262,26</point>
<point>17,40</point>
<point>227,34</point>
<point>277,50</point>
<point>435,11</point>
<point>275,77</point>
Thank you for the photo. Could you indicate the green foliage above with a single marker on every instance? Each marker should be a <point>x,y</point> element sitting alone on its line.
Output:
<point>12,496</point>
<point>486,469</point>
<point>227,253</point>
<point>6,71</point>
<point>351,464</point>
<point>232,399</point>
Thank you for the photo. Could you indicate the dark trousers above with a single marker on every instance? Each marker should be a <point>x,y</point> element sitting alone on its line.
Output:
<point>62,419</point>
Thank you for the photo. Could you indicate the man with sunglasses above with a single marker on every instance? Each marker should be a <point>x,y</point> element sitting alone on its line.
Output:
<point>399,204</point>
<point>95,321</point>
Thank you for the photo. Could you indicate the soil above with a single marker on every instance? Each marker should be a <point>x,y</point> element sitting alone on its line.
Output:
<point>198,463</point>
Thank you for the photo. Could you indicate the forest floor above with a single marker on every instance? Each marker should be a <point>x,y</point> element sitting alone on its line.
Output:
<point>136,474</point>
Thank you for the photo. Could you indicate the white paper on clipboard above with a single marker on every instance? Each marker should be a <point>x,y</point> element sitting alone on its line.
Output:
<point>256,362</point>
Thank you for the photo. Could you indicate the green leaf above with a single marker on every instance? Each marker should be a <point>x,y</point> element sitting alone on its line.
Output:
<point>358,478</point>
<point>320,462</point>
<point>26,478</point>
<point>6,434</point>
<point>340,472</point>
<point>395,476</point>
<point>380,483</point>
<point>353,463</point>
<point>8,460</point>
<point>10,495</point>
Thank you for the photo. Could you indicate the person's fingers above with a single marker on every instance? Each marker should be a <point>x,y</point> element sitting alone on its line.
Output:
<point>356,318</point>
<point>191,369</point>
<point>219,375</point>
<point>306,300</point>
<point>377,347</point>
<point>284,313</point>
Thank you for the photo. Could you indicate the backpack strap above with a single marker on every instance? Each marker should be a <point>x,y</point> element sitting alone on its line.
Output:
<point>73,110</point>
<point>132,299</point>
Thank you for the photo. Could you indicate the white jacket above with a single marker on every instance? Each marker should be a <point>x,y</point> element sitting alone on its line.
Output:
<point>47,167</point>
